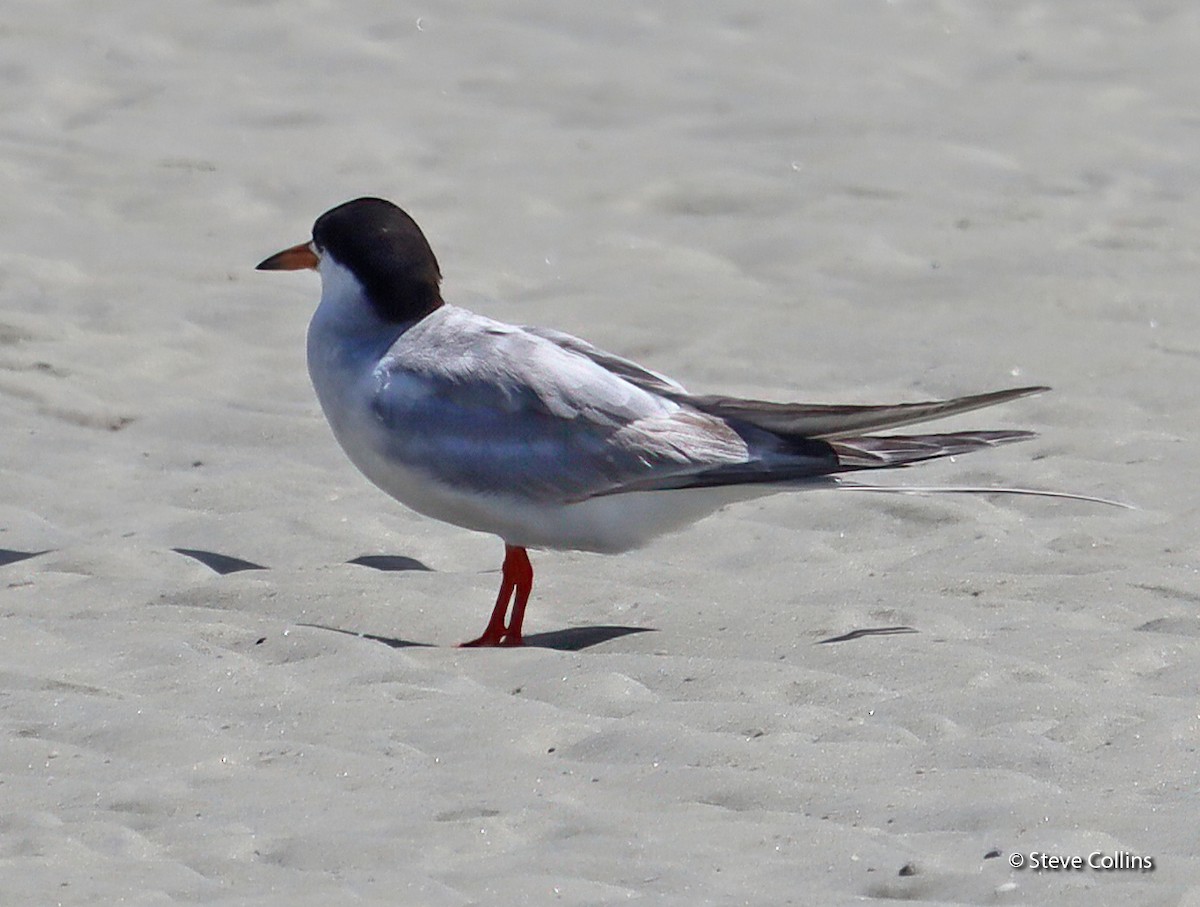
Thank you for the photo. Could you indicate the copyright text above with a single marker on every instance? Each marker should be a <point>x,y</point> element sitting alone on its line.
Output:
<point>1120,861</point>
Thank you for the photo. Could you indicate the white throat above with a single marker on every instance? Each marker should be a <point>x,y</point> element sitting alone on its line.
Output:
<point>346,338</point>
<point>344,308</point>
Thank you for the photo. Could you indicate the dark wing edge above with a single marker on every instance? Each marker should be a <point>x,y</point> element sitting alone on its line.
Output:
<point>836,421</point>
<point>887,451</point>
<point>846,455</point>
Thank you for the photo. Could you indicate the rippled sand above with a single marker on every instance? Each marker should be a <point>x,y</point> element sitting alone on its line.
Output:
<point>845,203</point>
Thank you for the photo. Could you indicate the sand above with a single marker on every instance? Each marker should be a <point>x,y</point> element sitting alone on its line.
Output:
<point>860,202</point>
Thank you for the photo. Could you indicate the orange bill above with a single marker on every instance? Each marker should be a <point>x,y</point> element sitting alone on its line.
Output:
<point>294,259</point>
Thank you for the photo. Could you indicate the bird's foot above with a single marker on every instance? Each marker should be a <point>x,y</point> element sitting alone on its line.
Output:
<point>515,585</point>
<point>492,640</point>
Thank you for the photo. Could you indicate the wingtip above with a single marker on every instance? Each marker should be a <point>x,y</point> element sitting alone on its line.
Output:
<point>1016,393</point>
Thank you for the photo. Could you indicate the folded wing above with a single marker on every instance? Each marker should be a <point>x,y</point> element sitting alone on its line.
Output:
<point>541,414</point>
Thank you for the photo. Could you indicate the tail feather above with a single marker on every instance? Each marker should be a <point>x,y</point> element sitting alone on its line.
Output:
<point>830,422</point>
<point>814,444</point>
<point>847,455</point>
<point>983,490</point>
<point>885,451</point>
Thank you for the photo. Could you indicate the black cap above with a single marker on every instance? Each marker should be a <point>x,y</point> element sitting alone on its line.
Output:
<point>385,249</point>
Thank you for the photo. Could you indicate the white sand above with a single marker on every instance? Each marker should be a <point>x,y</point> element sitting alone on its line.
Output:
<point>844,202</point>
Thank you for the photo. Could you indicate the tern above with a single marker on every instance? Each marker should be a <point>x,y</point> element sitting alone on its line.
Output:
<point>544,440</point>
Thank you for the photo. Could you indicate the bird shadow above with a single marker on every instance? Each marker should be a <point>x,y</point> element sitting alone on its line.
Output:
<point>572,639</point>
<point>389,563</point>
<point>392,642</point>
<point>9,556</point>
<point>867,631</point>
<point>223,564</point>
<point>576,639</point>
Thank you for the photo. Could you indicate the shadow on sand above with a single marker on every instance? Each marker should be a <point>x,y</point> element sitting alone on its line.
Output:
<point>573,639</point>
<point>865,632</point>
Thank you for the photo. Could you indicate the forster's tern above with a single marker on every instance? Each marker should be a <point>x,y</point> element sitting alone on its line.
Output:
<point>541,438</point>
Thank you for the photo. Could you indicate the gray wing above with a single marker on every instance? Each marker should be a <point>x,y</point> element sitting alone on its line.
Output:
<point>789,442</point>
<point>635,374</point>
<point>809,420</point>
<point>540,414</point>
<point>507,411</point>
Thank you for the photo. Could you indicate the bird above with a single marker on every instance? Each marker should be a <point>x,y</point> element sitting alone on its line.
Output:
<point>541,438</point>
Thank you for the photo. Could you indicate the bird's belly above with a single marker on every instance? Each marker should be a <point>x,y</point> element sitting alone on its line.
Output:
<point>620,522</point>
<point>606,524</point>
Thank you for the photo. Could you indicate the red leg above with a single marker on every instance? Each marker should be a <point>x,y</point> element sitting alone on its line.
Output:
<point>523,580</point>
<point>516,577</point>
